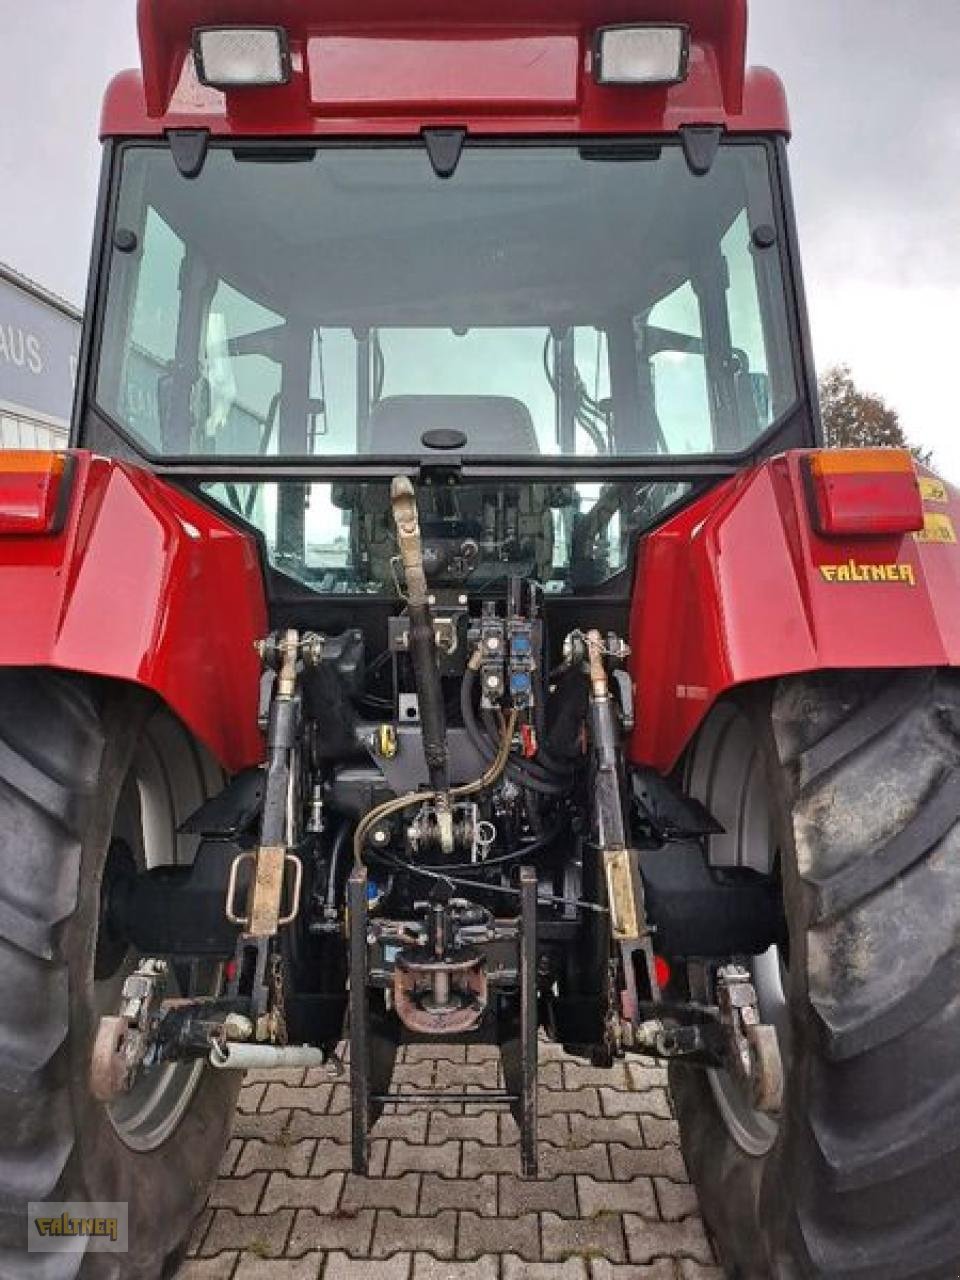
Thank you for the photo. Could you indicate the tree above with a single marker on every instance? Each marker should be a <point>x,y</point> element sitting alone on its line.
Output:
<point>855,419</point>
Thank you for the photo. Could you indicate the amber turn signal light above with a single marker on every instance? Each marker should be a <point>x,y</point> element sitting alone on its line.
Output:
<point>864,493</point>
<point>33,491</point>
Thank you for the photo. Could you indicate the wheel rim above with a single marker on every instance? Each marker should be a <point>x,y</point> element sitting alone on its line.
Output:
<point>727,773</point>
<point>166,782</point>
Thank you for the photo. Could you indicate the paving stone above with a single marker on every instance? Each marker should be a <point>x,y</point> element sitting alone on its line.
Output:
<point>381,1193</point>
<point>477,1158</point>
<point>434,1053</point>
<point>242,1194</point>
<point>443,1158</point>
<point>554,1128</point>
<point>645,1075</point>
<point>579,1075</point>
<point>550,1051</point>
<point>339,1099</point>
<point>248,1099</point>
<point>524,1195</point>
<point>599,1236</point>
<point>395,1233</point>
<point>647,1102</point>
<point>550,1075</point>
<point>634,1162</point>
<point>585,1102</point>
<point>230,1157</point>
<point>322,1076</point>
<point>284,1192</point>
<point>659,1133</point>
<point>445,1200</point>
<point>218,1268</point>
<point>593,1160</point>
<point>635,1196</point>
<point>271,1128</point>
<point>438,1193</point>
<point>662,1269</point>
<point>426,1267</point>
<point>453,1128</point>
<point>341,1267</point>
<point>293,1158</point>
<point>303,1124</point>
<point>330,1157</point>
<point>409,1125</point>
<point>418,1075</point>
<point>517,1269</point>
<point>520,1235</point>
<point>482,1053</point>
<point>275,1075</point>
<point>280,1097</point>
<point>350,1232</point>
<point>649,1240</point>
<point>587,1130</point>
<point>676,1200</point>
<point>263,1234</point>
<point>690,1270</point>
<point>463,1075</point>
<point>253,1268</point>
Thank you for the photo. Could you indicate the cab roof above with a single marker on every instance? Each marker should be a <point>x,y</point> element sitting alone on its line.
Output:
<point>388,67</point>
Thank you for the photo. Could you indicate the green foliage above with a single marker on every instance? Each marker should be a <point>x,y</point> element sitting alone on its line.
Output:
<point>855,419</point>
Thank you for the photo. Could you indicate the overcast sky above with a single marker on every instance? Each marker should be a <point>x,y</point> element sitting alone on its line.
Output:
<point>876,160</point>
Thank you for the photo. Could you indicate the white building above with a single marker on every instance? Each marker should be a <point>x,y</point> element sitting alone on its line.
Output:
<point>39,345</point>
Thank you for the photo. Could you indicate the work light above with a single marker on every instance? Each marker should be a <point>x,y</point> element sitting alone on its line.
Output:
<point>641,55</point>
<point>241,57</point>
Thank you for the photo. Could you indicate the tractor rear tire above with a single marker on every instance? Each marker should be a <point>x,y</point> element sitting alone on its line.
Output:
<point>861,1174</point>
<point>68,749</point>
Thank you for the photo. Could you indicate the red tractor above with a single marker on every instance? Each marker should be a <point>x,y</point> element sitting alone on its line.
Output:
<point>446,624</point>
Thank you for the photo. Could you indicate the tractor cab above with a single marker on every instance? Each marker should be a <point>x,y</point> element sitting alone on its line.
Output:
<point>562,257</point>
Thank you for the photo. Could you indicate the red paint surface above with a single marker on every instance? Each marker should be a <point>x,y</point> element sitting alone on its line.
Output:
<point>368,67</point>
<point>730,591</point>
<point>147,585</point>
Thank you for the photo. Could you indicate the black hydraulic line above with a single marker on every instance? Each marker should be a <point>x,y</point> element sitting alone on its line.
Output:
<point>519,771</point>
<point>422,638</point>
<point>530,850</point>
<point>340,843</point>
<point>433,716</point>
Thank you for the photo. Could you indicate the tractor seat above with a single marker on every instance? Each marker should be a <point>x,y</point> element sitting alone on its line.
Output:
<point>492,424</point>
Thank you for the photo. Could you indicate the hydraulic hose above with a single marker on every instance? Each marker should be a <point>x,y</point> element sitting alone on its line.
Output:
<point>520,771</point>
<point>487,779</point>
<point>422,641</point>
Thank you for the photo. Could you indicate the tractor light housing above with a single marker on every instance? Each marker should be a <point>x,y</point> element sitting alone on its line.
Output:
<point>242,57</point>
<point>857,493</point>
<point>34,490</point>
<point>641,55</point>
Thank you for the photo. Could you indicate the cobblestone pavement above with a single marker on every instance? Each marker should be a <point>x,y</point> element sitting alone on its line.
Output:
<point>445,1200</point>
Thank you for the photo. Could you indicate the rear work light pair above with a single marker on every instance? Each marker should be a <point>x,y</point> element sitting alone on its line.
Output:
<point>251,57</point>
<point>34,487</point>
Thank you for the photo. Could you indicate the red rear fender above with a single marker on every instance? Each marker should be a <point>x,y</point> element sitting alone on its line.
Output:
<point>145,584</point>
<point>739,587</point>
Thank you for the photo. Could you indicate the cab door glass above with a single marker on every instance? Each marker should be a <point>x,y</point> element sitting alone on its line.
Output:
<point>678,369</point>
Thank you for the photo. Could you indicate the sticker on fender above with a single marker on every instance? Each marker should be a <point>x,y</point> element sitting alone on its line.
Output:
<point>933,490</point>
<point>936,528</point>
<point>854,572</point>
